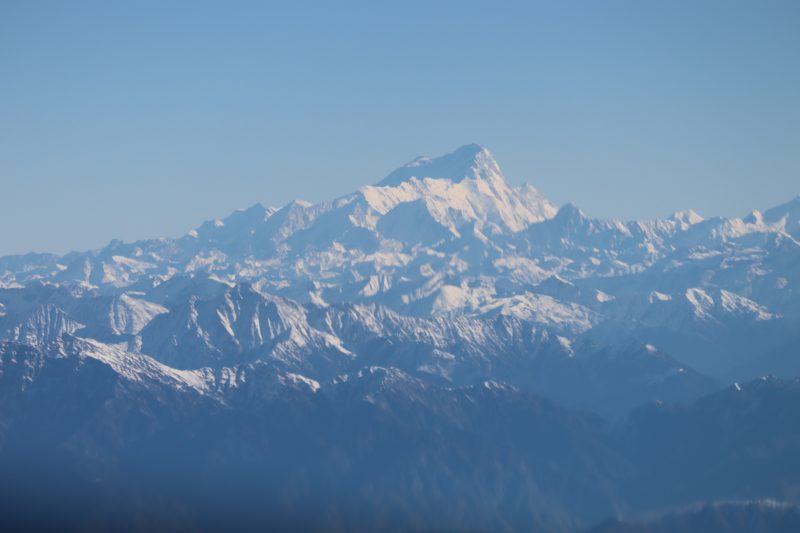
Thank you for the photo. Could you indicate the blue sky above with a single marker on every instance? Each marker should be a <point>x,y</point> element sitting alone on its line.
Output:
<point>142,119</point>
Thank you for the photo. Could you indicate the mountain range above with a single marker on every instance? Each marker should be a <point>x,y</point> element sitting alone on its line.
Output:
<point>439,350</point>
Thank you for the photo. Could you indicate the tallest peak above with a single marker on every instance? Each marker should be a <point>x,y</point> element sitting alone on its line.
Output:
<point>472,149</point>
<point>471,161</point>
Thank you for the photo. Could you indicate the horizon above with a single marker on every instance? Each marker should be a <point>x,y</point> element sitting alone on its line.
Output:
<point>376,183</point>
<point>133,122</point>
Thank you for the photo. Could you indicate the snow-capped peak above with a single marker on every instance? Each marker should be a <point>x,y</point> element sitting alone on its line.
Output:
<point>787,214</point>
<point>570,212</point>
<point>471,161</point>
<point>458,189</point>
<point>687,217</point>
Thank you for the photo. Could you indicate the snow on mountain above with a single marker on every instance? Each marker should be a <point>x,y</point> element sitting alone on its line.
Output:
<point>459,188</point>
<point>786,216</point>
<point>416,320</point>
<point>44,324</point>
<point>686,218</point>
<point>545,310</point>
<point>470,162</point>
<point>440,238</point>
<point>236,327</point>
<point>128,315</point>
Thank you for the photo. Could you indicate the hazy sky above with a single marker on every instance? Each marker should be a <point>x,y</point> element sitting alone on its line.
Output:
<point>140,119</point>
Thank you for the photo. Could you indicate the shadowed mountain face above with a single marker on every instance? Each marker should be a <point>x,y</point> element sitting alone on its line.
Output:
<point>756,517</point>
<point>376,449</point>
<point>437,351</point>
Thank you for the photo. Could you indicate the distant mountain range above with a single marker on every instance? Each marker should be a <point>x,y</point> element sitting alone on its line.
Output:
<point>439,350</point>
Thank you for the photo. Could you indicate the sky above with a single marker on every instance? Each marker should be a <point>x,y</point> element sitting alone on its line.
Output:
<point>142,119</point>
